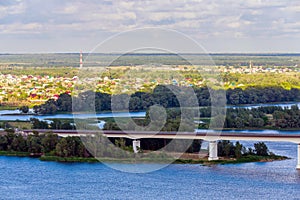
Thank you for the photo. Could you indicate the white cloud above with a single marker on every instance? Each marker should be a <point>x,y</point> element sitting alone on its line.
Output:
<point>12,9</point>
<point>201,19</point>
<point>17,28</point>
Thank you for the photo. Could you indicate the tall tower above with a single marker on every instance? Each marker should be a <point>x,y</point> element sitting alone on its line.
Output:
<point>80,60</point>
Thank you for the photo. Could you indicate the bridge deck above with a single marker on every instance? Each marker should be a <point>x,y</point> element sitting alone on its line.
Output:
<point>209,136</point>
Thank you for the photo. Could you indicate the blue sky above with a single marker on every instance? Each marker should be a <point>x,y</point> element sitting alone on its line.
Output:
<point>219,26</point>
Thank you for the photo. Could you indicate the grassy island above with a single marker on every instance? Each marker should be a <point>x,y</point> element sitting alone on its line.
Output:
<point>203,161</point>
<point>50,147</point>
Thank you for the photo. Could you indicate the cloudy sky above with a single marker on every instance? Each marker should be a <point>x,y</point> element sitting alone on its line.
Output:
<point>218,25</point>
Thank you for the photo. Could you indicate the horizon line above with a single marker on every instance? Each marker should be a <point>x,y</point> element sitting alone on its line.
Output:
<point>157,53</point>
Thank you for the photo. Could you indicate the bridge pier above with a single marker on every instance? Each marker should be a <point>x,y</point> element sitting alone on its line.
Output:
<point>298,160</point>
<point>213,150</point>
<point>136,144</point>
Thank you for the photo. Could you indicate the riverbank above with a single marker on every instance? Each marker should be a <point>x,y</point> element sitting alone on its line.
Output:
<point>252,129</point>
<point>202,161</point>
<point>8,107</point>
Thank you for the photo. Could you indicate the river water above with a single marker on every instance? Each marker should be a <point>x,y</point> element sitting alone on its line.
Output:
<point>29,178</point>
<point>15,114</point>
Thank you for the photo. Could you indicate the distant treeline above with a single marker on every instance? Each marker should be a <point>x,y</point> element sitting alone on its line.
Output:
<point>273,117</point>
<point>162,95</point>
<point>263,117</point>
<point>55,124</point>
<point>71,59</point>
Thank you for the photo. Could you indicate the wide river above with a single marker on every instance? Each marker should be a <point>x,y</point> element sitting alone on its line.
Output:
<point>29,178</point>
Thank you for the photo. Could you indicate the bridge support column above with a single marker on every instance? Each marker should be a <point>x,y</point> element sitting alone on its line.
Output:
<point>213,150</point>
<point>298,159</point>
<point>136,144</point>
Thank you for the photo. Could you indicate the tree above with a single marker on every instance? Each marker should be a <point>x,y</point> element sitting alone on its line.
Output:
<point>24,109</point>
<point>36,109</point>
<point>261,149</point>
<point>238,150</point>
<point>55,124</point>
<point>61,148</point>
<point>37,124</point>
<point>3,143</point>
<point>19,144</point>
<point>34,143</point>
<point>70,146</point>
<point>49,142</point>
<point>64,102</point>
<point>225,148</point>
<point>239,122</point>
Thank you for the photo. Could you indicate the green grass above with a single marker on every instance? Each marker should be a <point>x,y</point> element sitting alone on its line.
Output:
<point>4,107</point>
<point>67,159</point>
<point>14,153</point>
<point>248,158</point>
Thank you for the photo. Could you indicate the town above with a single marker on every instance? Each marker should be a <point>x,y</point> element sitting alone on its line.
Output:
<point>34,89</point>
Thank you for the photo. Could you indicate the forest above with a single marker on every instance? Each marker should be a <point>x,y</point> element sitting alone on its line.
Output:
<point>273,117</point>
<point>163,96</point>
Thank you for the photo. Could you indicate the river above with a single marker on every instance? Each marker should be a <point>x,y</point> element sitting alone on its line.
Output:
<point>28,178</point>
<point>13,115</point>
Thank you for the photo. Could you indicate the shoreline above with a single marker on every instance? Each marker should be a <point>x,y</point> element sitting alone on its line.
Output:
<point>6,107</point>
<point>202,161</point>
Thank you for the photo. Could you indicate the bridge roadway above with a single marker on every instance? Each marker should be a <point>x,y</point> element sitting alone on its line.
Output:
<point>212,137</point>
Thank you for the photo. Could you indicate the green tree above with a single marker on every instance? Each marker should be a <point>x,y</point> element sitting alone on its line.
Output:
<point>24,109</point>
<point>49,142</point>
<point>34,143</point>
<point>238,150</point>
<point>61,148</point>
<point>227,149</point>
<point>19,144</point>
<point>261,149</point>
<point>3,143</point>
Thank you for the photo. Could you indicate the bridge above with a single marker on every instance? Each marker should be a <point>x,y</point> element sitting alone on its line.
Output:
<point>211,137</point>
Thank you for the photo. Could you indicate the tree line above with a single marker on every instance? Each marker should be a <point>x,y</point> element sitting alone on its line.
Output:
<point>43,144</point>
<point>51,145</point>
<point>98,146</point>
<point>163,95</point>
<point>54,124</point>
<point>273,117</point>
<point>237,150</point>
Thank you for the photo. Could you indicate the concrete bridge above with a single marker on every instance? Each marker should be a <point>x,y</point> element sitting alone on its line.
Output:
<point>209,136</point>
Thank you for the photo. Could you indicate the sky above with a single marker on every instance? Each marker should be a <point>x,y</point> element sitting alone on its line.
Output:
<point>229,26</point>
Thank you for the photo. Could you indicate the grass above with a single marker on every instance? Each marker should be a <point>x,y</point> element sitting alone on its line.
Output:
<point>68,159</point>
<point>20,124</point>
<point>14,153</point>
<point>248,158</point>
<point>5,107</point>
